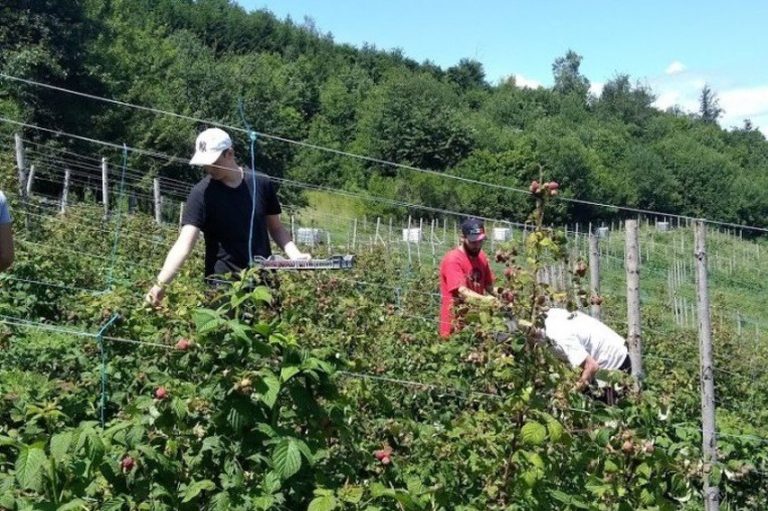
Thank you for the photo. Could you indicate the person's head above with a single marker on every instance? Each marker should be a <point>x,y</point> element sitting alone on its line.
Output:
<point>472,235</point>
<point>213,150</point>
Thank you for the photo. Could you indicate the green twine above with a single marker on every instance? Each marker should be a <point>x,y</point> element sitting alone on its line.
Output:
<point>252,137</point>
<point>100,339</point>
<point>121,195</point>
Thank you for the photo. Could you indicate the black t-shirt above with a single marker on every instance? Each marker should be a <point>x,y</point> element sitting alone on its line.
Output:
<point>224,216</point>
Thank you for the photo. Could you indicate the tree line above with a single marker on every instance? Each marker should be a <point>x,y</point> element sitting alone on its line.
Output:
<point>211,59</point>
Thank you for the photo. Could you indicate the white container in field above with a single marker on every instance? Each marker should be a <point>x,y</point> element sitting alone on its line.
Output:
<point>602,232</point>
<point>412,235</point>
<point>662,226</point>
<point>310,235</point>
<point>502,234</point>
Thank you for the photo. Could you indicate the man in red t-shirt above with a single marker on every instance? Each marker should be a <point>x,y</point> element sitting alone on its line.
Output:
<point>464,274</point>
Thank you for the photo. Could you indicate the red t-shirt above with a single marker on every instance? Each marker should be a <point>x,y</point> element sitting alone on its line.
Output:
<point>458,269</point>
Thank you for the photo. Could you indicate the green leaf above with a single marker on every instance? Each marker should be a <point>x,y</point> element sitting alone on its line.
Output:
<point>94,447</point>
<point>286,373</point>
<point>73,504</point>
<point>286,458</point>
<point>554,428</point>
<point>351,494</point>
<point>262,294</point>
<point>194,489</point>
<point>568,499</point>
<point>646,497</point>
<point>271,482</point>
<point>266,429</point>
<point>179,407</point>
<point>206,320</point>
<point>29,468</point>
<point>5,440</point>
<point>305,450</point>
<point>322,503</point>
<point>268,387</point>
<point>533,433</point>
<point>113,504</point>
<point>220,501</point>
<point>60,444</point>
<point>211,443</point>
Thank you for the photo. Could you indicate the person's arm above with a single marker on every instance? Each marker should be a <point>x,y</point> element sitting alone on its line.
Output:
<point>474,296</point>
<point>589,369</point>
<point>173,262</point>
<point>283,239</point>
<point>6,246</point>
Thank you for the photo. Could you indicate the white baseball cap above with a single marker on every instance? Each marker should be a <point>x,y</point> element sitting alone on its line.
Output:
<point>209,146</point>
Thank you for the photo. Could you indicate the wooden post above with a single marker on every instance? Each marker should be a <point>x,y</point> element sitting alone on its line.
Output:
<point>158,209</point>
<point>181,213</point>
<point>594,274</point>
<point>21,165</point>
<point>354,235</point>
<point>65,191</point>
<point>707,374</point>
<point>378,224</point>
<point>105,186</point>
<point>634,339</point>
<point>30,180</point>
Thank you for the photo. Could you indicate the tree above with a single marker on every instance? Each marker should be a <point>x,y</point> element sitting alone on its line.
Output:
<point>568,79</point>
<point>709,105</point>
<point>630,104</point>
<point>467,74</point>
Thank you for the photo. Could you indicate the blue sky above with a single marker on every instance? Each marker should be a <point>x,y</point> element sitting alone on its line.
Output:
<point>672,46</point>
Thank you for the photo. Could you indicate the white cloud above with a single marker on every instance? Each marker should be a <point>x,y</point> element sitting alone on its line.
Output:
<point>685,96</point>
<point>529,83</point>
<point>676,67</point>
<point>738,103</point>
<point>745,102</point>
<point>596,88</point>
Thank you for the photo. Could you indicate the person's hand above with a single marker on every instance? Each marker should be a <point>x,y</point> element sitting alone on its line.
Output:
<point>294,254</point>
<point>301,256</point>
<point>155,295</point>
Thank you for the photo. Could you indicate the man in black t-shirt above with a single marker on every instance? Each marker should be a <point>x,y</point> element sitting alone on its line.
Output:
<point>233,207</point>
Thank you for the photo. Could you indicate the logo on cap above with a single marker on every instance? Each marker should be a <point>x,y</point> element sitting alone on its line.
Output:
<point>201,146</point>
<point>476,230</point>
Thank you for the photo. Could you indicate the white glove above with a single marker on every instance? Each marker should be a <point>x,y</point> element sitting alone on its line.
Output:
<point>294,254</point>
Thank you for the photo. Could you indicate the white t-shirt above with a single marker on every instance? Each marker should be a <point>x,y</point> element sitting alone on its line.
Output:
<point>577,335</point>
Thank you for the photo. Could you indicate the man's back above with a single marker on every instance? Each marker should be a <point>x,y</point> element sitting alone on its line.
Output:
<point>577,335</point>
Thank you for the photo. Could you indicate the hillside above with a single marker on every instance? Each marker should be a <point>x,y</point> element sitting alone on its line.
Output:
<point>204,60</point>
<point>327,403</point>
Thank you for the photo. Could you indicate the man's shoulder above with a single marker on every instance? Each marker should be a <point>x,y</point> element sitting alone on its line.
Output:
<point>453,254</point>
<point>202,185</point>
<point>258,178</point>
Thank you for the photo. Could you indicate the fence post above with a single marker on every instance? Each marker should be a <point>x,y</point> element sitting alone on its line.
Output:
<point>158,208</point>
<point>105,186</point>
<point>30,180</point>
<point>21,164</point>
<point>181,213</point>
<point>65,191</point>
<point>594,274</point>
<point>634,338</point>
<point>707,375</point>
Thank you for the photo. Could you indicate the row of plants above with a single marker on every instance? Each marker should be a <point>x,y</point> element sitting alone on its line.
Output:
<point>332,391</point>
